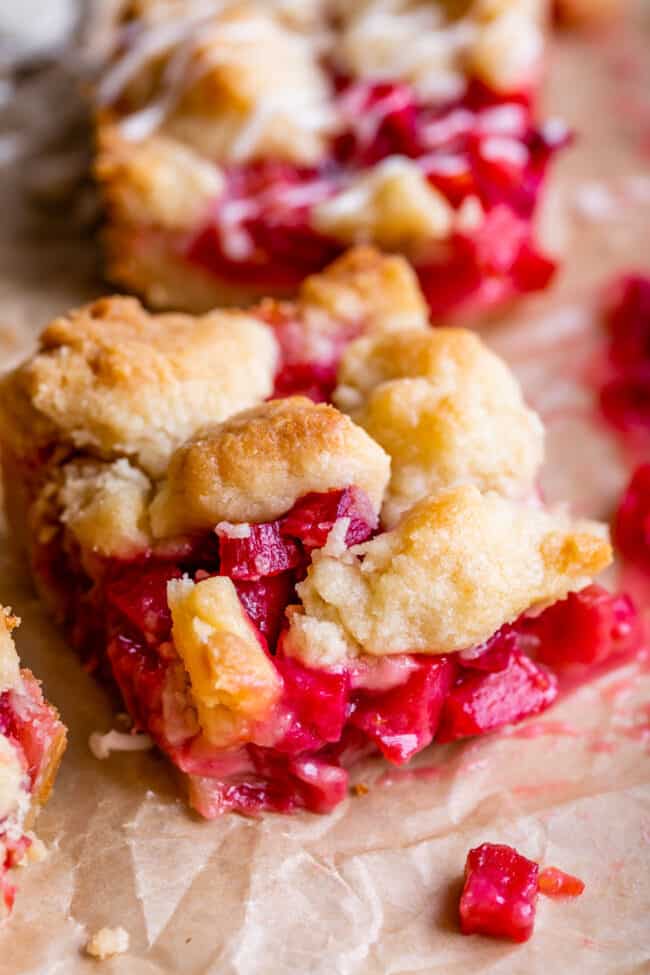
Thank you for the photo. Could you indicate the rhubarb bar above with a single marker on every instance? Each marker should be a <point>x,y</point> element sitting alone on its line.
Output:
<point>241,146</point>
<point>277,586</point>
<point>32,741</point>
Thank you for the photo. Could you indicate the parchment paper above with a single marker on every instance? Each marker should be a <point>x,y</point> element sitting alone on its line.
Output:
<point>372,888</point>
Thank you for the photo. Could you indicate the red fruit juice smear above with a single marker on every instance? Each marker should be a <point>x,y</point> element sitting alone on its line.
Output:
<point>555,883</point>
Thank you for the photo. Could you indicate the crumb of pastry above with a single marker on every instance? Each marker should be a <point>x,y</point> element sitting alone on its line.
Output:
<point>359,789</point>
<point>256,465</point>
<point>234,683</point>
<point>379,291</point>
<point>108,942</point>
<point>482,559</point>
<point>446,409</point>
<point>114,380</point>
<point>240,106</point>
<point>157,182</point>
<point>105,506</point>
<point>393,206</point>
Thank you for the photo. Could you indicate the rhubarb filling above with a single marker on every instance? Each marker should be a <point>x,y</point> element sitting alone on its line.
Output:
<point>483,155</point>
<point>296,752</point>
<point>31,740</point>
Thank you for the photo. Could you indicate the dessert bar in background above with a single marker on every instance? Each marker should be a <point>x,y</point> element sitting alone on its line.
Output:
<point>242,146</point>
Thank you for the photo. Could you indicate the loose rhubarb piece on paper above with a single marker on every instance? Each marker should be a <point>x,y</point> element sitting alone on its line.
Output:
<point>500,893</point>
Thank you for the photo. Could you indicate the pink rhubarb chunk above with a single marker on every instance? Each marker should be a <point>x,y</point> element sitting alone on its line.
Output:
<point>485,701</point>
<point>263,552</point>
<point>632,524</point>
<point>500,893</point>
<point>312,517</point>
<point>402,721</point>
<point>585,629</point>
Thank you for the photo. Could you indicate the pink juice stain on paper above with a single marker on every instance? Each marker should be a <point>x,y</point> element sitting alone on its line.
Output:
<point>542,729</point>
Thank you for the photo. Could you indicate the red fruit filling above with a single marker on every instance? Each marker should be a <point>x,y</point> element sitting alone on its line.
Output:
<point>403,720</point>
<point>487,146</point>
<point>500,893</point>
<point>265,601</point>
<point>264,551</point>
<point>33,728</point>
<point>632,522</point>
<point>585,630</point>
<point>485,701</point>
<point>555,883</point>
<point>325,720</point>
<point>625,395</point>
<point>627,319</point>
<point>30,723</point>
<point>312,518</point>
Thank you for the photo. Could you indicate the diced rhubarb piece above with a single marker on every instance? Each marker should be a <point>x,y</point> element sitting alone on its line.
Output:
<point>500,893</point>
<point>322,786</point>
<point>632,523</point>
<point>585,629</point>
<point>316,380</point>
<point>275,229</point>
<point>140,676</point>
<point>383,122</point>
<point>483,702</point>
<point>627,318</point>
<point>312,517</point>
<point>493,655</point>
<point>265,600</point>
<point>317,701</point>
<point>625,400</point>
<point>262,552</point>
<point>555,883</point>
<point>403,720</point>
<point>139,592</point>
<point>270,782</point>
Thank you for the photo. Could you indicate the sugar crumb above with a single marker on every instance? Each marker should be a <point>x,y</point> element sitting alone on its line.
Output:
<point>108,942</point>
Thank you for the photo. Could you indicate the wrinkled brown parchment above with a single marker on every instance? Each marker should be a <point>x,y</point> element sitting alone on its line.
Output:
<point>374,887</point>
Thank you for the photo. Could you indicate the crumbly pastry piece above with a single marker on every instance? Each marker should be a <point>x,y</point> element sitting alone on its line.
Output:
<point>108,942</point>
<point>446,409</point>
<point>32,741</point>
<point>234,683</point>
<point>392,205</point>
<point>104,506</point>
<point>114,381</point>
<point>227,175</point>
<point>255,466</point>
<point>275,584</point>
<point>380,595</point>
<point>382,292</point>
